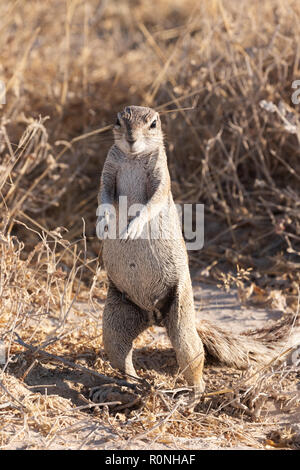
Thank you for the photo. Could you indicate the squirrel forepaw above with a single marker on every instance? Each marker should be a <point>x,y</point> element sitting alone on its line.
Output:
<point>135,229</point>
<point>102,225</point>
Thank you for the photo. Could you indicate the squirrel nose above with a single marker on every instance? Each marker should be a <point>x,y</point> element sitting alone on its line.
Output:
<point>131,141</point>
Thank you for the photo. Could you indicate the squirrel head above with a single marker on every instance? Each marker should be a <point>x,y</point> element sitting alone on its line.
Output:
<point>138,130</point>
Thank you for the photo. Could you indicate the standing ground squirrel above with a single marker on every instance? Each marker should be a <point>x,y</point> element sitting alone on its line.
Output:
<point>149,278</point>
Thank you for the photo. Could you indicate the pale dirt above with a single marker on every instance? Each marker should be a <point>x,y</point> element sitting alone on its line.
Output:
<point>85,431</point>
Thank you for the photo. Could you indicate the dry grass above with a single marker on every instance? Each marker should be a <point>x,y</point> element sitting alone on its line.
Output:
<point>225,69</point>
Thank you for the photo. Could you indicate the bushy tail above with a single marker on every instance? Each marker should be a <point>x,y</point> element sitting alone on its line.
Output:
<point>256,346</point>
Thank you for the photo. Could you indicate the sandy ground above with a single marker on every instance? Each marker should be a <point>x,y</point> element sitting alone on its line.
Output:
<point>85,431</point>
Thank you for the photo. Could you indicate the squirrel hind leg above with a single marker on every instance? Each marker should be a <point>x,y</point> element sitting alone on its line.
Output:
<point>122,323</point>
<point>181,328</point>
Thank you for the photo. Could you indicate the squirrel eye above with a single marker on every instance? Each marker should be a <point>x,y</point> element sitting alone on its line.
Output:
<point>117,123</point>
<point>153,124</point>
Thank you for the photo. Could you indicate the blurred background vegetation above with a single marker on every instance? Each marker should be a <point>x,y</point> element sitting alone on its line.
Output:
<point>69,66</point>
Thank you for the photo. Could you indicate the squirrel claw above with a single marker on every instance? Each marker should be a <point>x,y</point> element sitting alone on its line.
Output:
<point>102,226</point>
<point>134,230</point>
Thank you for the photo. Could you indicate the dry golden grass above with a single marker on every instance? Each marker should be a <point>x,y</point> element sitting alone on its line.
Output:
<point>221,75</point>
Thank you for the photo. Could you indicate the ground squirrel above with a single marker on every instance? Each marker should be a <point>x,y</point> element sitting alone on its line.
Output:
<point>149,278</point>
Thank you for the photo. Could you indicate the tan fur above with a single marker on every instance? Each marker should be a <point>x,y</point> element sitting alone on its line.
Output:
<point>149,278</point>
